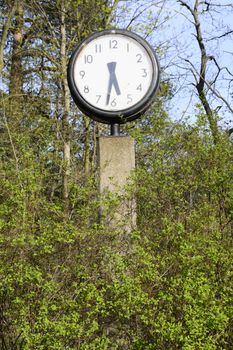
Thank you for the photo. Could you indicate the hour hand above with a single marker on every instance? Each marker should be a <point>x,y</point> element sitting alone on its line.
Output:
<point>112,81</point>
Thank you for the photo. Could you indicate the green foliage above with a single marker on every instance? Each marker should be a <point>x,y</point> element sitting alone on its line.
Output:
<point>75,284</point>
<point>184,197</point>
<point>69,281</point>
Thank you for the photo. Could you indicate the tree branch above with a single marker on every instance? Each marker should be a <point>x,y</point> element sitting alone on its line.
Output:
<point>202,72</point>
<point>216,93</point>
<point>221,36</point>
<point>5,31</point>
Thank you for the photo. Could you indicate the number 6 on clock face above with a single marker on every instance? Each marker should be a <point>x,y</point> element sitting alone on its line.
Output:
<point>113,76</point>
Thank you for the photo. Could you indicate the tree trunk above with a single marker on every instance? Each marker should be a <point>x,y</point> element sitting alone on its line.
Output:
<point>5,30</point>
<point>16,81</point>
<point>87,147</point>
<point>201,79</point>
<point>95,146</point>
<point>66,109</point>
<point>202,76</point>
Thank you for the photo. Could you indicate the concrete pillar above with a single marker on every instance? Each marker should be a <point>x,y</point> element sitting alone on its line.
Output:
<point>116,162</point>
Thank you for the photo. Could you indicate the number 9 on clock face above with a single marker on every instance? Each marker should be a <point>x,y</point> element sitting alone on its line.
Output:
<point>113,75</point>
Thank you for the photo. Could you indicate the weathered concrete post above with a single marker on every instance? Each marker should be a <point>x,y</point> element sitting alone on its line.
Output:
<point>116,162</point>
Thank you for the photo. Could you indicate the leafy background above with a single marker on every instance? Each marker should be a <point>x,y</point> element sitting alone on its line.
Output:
<point>68,280</point>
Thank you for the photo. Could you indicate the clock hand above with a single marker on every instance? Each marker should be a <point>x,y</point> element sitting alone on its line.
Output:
<point>115,83</point>
<point>112,81</point>
<point>109,90</point>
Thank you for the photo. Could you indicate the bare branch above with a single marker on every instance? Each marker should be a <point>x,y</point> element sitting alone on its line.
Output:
<point>221,36</point>
<point>209,4</point>
<point>200,86</point>
<point>216,93</point>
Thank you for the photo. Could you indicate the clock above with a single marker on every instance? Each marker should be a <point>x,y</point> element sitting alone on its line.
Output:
<point>113,76</point>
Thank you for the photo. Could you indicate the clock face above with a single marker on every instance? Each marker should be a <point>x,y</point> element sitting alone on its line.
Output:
<point>113,75</point>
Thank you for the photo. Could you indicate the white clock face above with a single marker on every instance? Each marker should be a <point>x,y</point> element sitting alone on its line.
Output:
<point>113,72</point>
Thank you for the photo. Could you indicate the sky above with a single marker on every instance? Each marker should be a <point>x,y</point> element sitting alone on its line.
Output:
<point>171,30</point>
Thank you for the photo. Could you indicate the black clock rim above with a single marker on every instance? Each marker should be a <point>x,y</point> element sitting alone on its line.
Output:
<point>121,116</point>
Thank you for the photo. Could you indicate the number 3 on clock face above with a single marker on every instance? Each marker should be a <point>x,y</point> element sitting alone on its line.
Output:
<point>113,75</point>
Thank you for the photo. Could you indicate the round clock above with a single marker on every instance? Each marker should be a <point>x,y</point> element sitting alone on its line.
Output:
<point>113,76</point>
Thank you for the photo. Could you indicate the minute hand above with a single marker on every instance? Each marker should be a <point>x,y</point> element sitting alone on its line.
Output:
<point>112,81</point>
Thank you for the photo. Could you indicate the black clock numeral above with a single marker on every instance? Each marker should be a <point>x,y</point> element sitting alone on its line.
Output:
<point>82,73</point>
<point>127,47</point>
<point>86,89</point>
<point>113,44</point>
<point>144,73</point>
<point>98,48</point>
<point>113,103</point>
<point>139,88</point>
<point>88,59</point>
<point>98,98</point>
<point>139,58</point>
<point>129,99</point>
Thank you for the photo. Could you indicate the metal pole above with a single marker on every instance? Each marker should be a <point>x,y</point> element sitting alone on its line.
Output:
<point>115,129</point>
